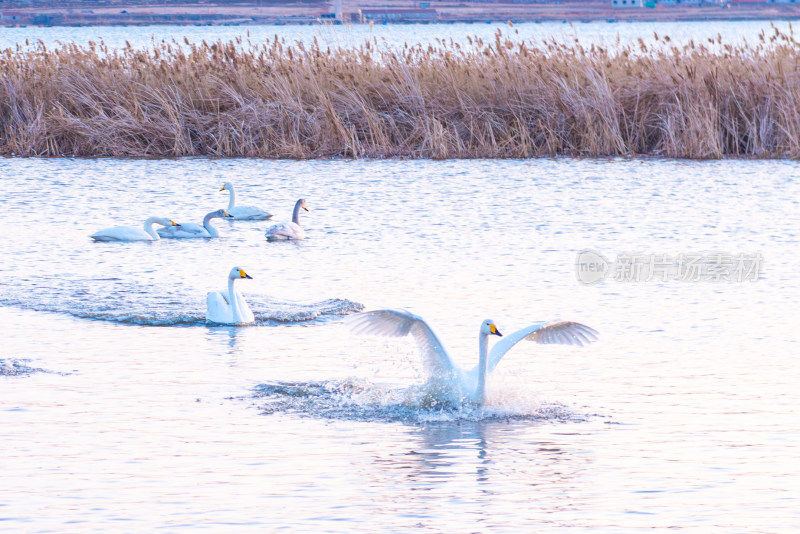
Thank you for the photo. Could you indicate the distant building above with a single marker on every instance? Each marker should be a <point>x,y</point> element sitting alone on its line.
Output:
<point>399,15</point>
<point>622,4</point>
<point>11,16</point>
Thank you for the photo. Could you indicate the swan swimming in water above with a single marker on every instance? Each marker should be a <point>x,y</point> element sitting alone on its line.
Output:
<point>229,307</point>
<point>132,233</point>
<point>243,213</point>
<point>449,378</point>
<point>192,230</point>
<point>290,229</point>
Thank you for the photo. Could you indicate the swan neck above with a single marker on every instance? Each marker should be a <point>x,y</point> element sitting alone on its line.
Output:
<point>208,226</point>
<point>148,227</point>
<point>296,213</point>
<point>232,299</point>
<point>232,198</point>
<point>483,367</point>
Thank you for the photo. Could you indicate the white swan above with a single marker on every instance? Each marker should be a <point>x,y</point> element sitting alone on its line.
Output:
<point>290,229</point>
<point>132,233</point>
<point>229,307</point>
<point>243,213</point>
<point>451,380</point>
<point>191,230</point>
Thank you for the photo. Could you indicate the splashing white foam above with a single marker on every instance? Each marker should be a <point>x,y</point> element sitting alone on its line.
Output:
<point>358,399</point>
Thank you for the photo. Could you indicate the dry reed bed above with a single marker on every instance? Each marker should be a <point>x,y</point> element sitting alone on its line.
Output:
<point>500,99</point>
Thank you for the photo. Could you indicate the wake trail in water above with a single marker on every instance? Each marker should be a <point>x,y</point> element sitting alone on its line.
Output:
<point>15,367</point>
<point>111,300</point>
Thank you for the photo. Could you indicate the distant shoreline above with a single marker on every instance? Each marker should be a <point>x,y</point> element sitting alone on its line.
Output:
<point>399,11</point>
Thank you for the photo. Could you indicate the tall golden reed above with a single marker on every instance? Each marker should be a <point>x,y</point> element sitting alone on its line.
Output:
<point>499,99</point>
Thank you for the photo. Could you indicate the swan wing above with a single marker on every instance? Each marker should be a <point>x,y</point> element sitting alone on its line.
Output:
<point>285,230</point>
<point>218,309</point>
<point>121,233</point>
<point>399,323</point>
<point>560,332</point>
<point>245,313</point>
<point>249,213</point>
<point>185,230</point>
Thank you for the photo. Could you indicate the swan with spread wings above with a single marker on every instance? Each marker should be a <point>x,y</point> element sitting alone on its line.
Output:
<point>455,382</point>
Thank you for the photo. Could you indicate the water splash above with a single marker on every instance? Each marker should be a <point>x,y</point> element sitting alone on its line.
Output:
<point>12,367</point>
<point>361,400</point>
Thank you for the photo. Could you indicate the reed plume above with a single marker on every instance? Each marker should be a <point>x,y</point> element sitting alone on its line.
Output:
<point>505,98</point>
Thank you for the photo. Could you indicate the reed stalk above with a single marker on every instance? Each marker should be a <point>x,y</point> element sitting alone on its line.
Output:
<point>501,99</point>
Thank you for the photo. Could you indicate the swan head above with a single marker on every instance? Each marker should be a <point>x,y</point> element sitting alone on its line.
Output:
<point>237,273</point>
<point>222,213</point>
<point>302,203</point>
<point>227,186</point>
<point>488,328</point>
<point>163,221</point>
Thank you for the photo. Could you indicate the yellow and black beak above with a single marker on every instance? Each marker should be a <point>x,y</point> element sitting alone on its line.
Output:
<point>305,208</point>
<point>174,223</point>
<point>222,188</point>
<point>493,329</point>
<point>243,274</point>
<point>226,214</point>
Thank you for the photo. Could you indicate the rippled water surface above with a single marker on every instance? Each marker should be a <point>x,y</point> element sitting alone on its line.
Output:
<point>600,32</point>
<point>133,415</point>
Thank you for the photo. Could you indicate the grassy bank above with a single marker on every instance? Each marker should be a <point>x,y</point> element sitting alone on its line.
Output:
<point>499,99</point>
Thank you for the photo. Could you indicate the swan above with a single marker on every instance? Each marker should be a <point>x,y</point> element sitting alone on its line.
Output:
<point>290,229</point>
<point>190,230</point>
<point>229,307</point>
<point>243,213</point>
<point>132,233</point>
<point>455,382</point>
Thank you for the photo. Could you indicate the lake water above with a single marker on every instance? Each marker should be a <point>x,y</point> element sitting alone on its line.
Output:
<point>587,33</point>
<point>683,415</point>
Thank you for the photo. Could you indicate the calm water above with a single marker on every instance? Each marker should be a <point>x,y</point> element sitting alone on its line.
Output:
<point>684,415</point>
<point>587,33</point>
